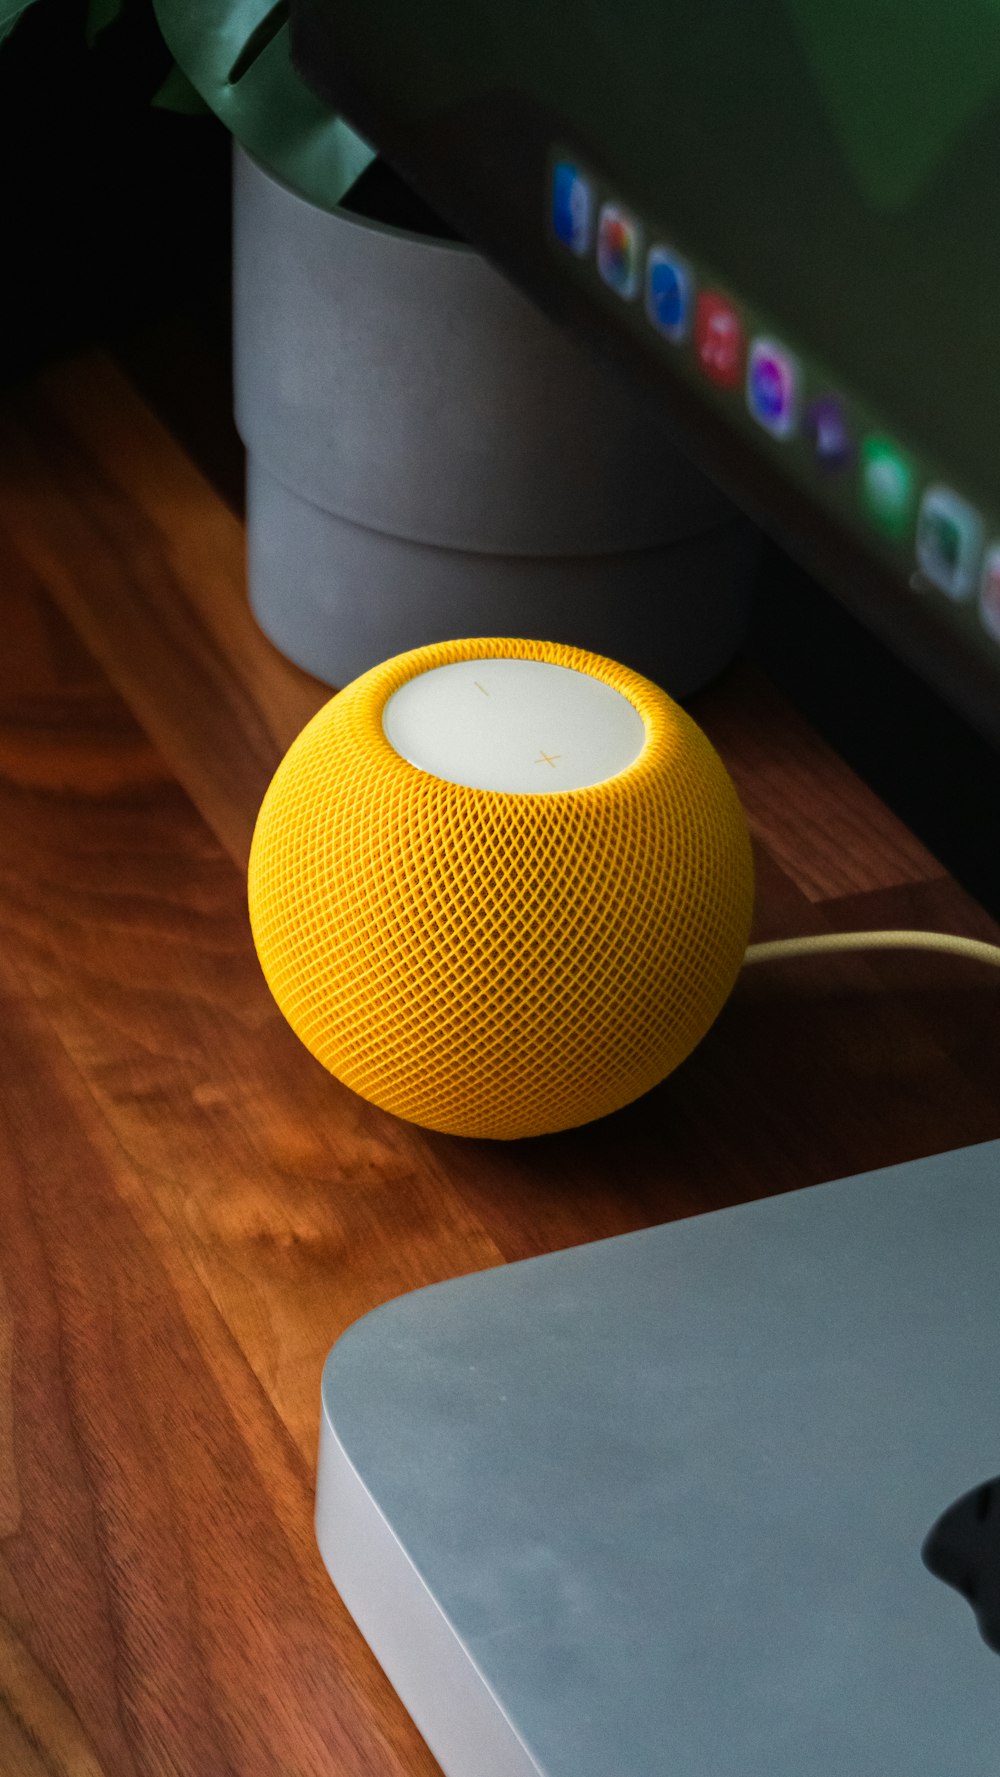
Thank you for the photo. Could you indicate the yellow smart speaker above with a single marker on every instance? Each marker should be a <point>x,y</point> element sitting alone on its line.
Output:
<point>501,887</point>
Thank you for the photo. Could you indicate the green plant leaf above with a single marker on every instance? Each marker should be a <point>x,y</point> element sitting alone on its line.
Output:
<point>177,94</point>
<point>100,14</point>
<point>10,12</point>
<point>236,54</point>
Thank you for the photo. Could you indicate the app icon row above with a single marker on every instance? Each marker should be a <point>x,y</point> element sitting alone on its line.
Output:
<point>680,312</point>
<point>949,531</point>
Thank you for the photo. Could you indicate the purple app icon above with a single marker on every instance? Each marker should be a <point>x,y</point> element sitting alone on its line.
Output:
<point>825,425</point>
<point>772,387</point>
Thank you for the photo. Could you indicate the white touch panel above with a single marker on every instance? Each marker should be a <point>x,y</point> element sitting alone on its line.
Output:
<point>514,725</point>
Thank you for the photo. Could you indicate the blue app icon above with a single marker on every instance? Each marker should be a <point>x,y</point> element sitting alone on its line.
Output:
<point>669,291</point>
<point>572,208</point>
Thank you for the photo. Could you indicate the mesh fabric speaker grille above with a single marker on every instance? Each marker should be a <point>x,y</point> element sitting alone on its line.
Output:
<point>490,963</point>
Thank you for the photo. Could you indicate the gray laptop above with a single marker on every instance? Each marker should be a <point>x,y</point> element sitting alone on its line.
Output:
<point>711,1500</point>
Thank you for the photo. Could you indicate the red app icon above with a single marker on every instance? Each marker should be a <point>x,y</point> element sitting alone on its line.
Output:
<point>719,340</point>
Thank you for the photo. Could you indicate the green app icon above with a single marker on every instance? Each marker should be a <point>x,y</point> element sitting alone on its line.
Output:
<point>888,486</point>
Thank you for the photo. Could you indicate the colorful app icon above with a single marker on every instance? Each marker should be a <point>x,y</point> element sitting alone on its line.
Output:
<point>572,208</point>
<point>949,542</point>
<point>668,293</point>
<point>888,486</point>
<point>719,339</point>
<point>618,250</point>
<point>989,591</point>
<point>773,387</point>
<point>826,426</point>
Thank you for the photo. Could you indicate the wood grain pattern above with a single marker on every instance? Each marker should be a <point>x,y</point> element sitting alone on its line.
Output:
<point>169,1612</point>
<point>828,832</point>
<point>147,562</point>
<point>191,1211</point>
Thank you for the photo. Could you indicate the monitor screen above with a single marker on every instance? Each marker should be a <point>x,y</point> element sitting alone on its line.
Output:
<point>781,216</point>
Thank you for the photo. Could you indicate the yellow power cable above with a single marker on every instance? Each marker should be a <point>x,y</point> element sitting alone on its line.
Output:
<point>972,949</point>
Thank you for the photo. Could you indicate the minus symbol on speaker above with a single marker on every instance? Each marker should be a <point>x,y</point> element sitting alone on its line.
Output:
<point>481,688</point>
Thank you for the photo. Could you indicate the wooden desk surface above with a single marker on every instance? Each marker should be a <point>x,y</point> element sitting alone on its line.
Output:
<point>191,1211</point>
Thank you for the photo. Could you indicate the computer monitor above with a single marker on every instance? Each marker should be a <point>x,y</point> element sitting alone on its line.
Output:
<point>781,215</point>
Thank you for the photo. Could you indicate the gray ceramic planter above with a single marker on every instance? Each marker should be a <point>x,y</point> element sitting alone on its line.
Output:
<point>429,457</point>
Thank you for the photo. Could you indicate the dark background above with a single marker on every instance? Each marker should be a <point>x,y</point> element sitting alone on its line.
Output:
<point>115,212</point>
